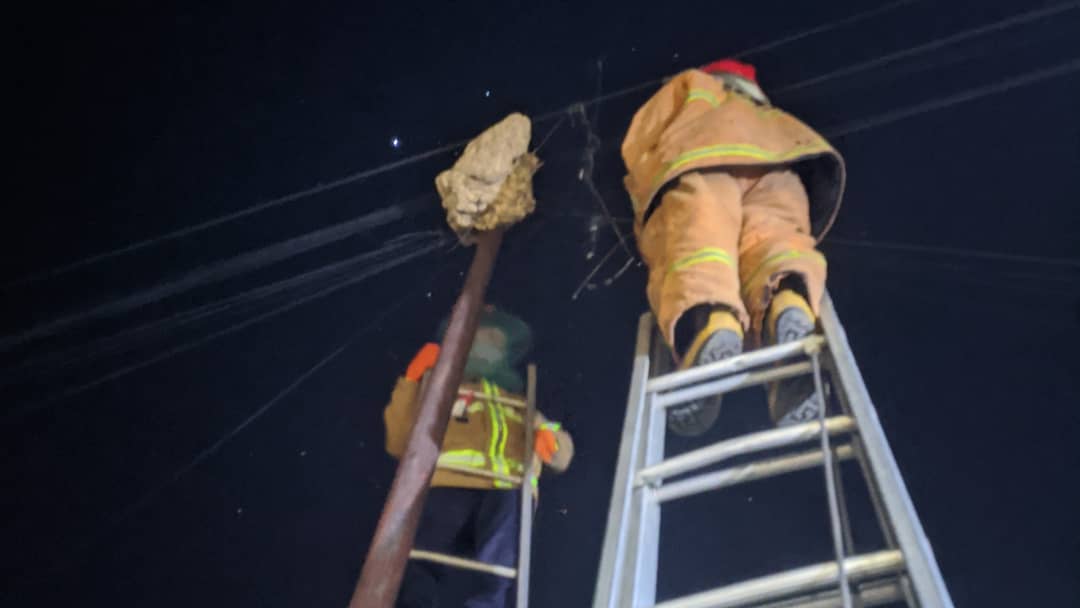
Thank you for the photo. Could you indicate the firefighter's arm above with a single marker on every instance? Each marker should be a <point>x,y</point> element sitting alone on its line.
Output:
<point>654,117</point>
<point>552,444</point>
<point>400,413</point>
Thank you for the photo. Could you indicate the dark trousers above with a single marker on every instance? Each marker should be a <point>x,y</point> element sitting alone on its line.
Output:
<point>469,523</point>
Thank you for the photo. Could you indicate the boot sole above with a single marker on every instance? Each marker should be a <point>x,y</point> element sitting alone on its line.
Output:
<point>696,417</point>
<point>794,400</point>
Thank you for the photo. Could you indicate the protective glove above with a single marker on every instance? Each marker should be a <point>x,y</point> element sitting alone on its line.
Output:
<point>422,362</point>
<point>545,444</point>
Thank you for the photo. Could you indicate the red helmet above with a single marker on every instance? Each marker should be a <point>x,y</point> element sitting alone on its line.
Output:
<point>731,66</point>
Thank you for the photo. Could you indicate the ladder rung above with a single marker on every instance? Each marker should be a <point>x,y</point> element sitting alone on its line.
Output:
<point>868,594</point>
<point>464,470</point>
<point>799,581</point>
<point>745,444</point>
<point>511,401</point>
<point>712,371</point>
<point>464,564</point>
<point>731,383</point>
<point>747,472</point>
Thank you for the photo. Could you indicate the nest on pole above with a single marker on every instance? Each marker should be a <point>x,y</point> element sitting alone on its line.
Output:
<point>490,186</point>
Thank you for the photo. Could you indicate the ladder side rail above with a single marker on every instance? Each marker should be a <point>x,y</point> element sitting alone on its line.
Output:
<point>845,516</point>
<point>613,556</point>
<point>919,556</point>
<point>646,511</point>
<point>833,494</point>
<point>882,517</point>
<point>525,523</point>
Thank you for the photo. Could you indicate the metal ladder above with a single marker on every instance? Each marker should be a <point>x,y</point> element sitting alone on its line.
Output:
<point>519,574</point>
<point>905,571</point>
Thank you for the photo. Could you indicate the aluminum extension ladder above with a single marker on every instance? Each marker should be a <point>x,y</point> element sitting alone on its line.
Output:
<point>520,573</point>
<point>905,571</point>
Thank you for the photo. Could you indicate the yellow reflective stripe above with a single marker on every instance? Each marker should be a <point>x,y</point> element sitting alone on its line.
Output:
<point>467,458</point>
<point>535,481</point>
<point>512,415</point>
<point>505,433</point>
<point>783,256</point>
<point>551,426</point>
<point>475,407</point>
<point>743,150</point>
<point>705,254</point>
<point>493,442</point>
<point>498,437</point>
<point>702,95</point>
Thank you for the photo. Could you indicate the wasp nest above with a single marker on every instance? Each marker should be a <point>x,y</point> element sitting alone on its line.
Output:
<point>490,186</point>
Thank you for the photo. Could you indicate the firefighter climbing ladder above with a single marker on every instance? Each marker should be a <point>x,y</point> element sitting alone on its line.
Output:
<point>521,572</point>
<point>905,571</point>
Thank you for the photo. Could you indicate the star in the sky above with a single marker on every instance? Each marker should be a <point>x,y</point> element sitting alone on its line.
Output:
<point>395,142</point>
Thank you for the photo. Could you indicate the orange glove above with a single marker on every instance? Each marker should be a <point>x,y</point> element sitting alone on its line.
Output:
<point>545,444</point>
<point>422,362</point>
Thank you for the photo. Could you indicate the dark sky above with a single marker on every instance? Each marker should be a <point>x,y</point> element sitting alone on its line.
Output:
<point>955,266</point>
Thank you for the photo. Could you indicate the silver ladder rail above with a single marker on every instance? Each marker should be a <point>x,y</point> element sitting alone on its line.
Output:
<point>905,570</point>
<point>520,573</point>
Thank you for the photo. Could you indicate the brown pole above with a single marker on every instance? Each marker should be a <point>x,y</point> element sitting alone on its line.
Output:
<point>389,551</point>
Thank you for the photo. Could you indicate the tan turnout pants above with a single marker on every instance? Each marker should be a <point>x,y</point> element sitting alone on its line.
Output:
<point>728,237</point>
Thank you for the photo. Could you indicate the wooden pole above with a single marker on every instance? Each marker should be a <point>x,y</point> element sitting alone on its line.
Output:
<point>389,550</point>
<point>387,556</point>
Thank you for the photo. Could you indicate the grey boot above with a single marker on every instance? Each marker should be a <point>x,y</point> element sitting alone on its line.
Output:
<point>793,400</point>
<point>696,417</point>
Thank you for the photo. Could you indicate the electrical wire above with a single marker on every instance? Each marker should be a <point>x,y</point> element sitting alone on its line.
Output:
<point>129,339</point>
<point>933,45</point>
<point>243,263</point>
<point>29,408</point>
<point>1002,86</point>
<point>956,252</point>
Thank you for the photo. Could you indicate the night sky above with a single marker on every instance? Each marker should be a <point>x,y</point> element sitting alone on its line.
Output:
<point>228,459</point>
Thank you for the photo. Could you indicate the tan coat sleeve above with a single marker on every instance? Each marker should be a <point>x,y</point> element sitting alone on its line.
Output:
<point>400,415</point>
<point>561,460</point>
<point>652,119</point>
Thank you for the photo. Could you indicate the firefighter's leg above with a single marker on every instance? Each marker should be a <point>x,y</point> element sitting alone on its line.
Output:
<point>496,539</point>
<point>690,245</point>
<point>783,279</point>
<point>443,528</point>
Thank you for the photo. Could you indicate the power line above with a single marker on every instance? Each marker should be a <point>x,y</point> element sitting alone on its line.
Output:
<point>130,338</point>
<point>767,46</point>
<point>33,407</point>
<point>956,252</point>
<point>952,100</point>
<point>825,27</point>
<point>857,68</point>
<point>223,219</point>
<point>242,263</point>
